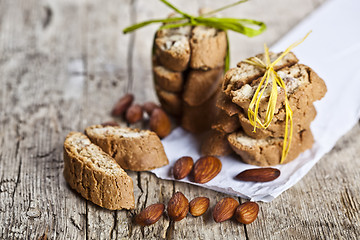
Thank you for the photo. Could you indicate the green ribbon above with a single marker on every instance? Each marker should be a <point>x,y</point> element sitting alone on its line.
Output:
<point>247,27</point>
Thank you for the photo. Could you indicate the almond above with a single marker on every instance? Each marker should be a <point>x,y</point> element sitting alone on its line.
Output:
<point>198,206</point>
<point>247,212</point>
<point>259,175</point>
<point>178,206</point>
<point>206,168</point>
<point>134,113</point>
<point>160,123</point>
<point>110,123</point>
<point>182,167</point>
<point>149,107</point>
<point>122,105</point>
<point>150,215</point>
<point>225,209</point>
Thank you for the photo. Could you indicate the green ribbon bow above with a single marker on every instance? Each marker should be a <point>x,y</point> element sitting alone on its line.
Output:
<point>235,24</point>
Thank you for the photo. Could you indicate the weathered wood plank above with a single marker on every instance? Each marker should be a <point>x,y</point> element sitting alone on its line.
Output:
<point>36,103</point>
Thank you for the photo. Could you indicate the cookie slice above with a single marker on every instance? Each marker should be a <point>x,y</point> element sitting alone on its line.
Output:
<point>199,119</point>
<point>245,73</point>
<point>168,80</point>
<point>267,152</point>
<point>171,102</point>
<point>95,175</point>
<point>201,85</point>
<point>208,48</point>
<point>303,86</point>
<point>215,144</point>
<point>225,123</point>
<point>133,149</point>
<point>301,120</point>
<point>172,48</point>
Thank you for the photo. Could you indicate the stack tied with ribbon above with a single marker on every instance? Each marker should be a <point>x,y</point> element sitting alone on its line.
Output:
<point>266,109</point>
<point>190,56</point>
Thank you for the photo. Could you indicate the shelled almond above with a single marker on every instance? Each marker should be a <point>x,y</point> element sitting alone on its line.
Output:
<point>183,167</point>
<point>206,168</point>
<point>150,215</point>
<point>225,209</point>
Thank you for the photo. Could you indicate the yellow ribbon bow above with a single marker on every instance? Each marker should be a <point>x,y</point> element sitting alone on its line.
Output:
<point>270,73</point>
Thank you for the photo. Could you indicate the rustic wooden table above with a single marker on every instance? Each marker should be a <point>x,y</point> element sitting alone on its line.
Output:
<point>63,64</point>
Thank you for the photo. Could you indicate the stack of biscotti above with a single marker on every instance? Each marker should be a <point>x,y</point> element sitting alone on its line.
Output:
<point>264,147</point>
<point>188,67</point>
<point>94,163</point>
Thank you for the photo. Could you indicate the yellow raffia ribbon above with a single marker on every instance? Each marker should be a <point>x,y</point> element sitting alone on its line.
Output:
<point>271,74</point>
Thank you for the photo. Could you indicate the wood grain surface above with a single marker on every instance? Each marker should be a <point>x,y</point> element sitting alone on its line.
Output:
<point>63,64</point>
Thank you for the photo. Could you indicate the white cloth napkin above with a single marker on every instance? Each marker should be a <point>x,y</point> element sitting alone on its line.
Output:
<point>333,51</point>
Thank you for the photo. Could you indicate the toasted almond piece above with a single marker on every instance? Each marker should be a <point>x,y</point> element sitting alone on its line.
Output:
<point>225,209</point>
<point>259,175</point>
<point>183,167</point>
<point>198,206</point>
<point>122,105</point>
<point>149,107</point>
<point>178,207</point>
<point>134,113</point>
<point>160,123</point>
<point>206,168</point>
<point>150,215</point>
<point>247,212</point>
<point>110,123</point>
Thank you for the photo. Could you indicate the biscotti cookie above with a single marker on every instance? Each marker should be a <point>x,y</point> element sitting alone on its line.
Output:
<point>224,103</point>
<point>245,73</point>
<point>133,149</point>
<point>201,85</point>
<point>225,123</point>
<point>95,175</point>
<point>301,120</point>
<point>208,48</point>
<point>171,102</point>
<point>200,118</point>
<point>267,152</point>
<point>168,80</point>
<point>172,48</point>
<point>303,86</point>
<point>215,144</point>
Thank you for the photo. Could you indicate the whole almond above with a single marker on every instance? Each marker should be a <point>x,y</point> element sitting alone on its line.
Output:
<point>182,167</point>
<point>134,113</point>
<point>206,168</point>
<point>122,105</point>
<point>110,123</point>
<point>150,215</point>
<point>259,175</point>
<point>225,209</point>
<point>160,123</point>
<point>178,206</point>
<point>149,107</point>
<point>247,212</point>
<point>198,206</point>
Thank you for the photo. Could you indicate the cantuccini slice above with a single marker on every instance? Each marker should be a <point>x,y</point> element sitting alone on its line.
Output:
<point>225,123</point>
<point>133,149</point>
<point>197,119</point>
<point>95,175</point>
<point>208,48</point>
<point>303,86</point>
<point>201,85</point>
<point>171,102</point>
<point>301,120</point>
<point>267,152</point>
<point>245,73</point>
<point>172,48</point>
<point>168,80</point>
<point>215,144</point>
